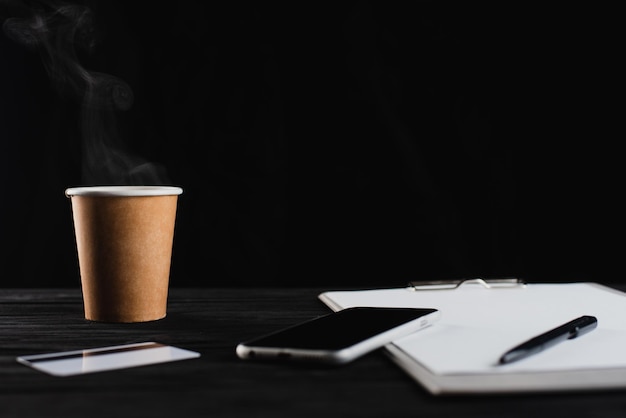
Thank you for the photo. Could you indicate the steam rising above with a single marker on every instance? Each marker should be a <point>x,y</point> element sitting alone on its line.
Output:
<point>58,32</point>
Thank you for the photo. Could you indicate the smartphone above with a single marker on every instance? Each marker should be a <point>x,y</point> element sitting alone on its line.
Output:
<point>339,337</point>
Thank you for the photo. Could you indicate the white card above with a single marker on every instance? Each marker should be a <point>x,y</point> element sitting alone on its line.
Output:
<point>69,363</point>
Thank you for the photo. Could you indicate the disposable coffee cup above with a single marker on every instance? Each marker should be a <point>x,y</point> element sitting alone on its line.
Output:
<point>124,238</point>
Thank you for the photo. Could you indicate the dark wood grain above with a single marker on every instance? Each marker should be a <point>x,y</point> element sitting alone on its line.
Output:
<point>212,322</point>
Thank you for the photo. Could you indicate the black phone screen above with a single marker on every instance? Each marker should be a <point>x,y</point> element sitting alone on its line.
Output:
<point>340,329</point>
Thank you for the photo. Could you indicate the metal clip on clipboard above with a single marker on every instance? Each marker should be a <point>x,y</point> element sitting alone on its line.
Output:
<point>504,283</point>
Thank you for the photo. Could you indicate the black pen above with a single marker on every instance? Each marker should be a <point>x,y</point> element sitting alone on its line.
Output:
<point>572,329</point>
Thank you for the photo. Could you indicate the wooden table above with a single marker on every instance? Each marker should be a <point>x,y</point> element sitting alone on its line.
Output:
<point>212,321</point>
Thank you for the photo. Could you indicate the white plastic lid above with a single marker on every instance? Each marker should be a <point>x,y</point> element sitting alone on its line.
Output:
<point>123,191</point>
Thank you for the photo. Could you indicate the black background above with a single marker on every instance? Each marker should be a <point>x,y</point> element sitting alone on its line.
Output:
<point>358,143</point>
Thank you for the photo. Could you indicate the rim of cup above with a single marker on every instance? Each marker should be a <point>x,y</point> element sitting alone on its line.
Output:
<point>123,191</point>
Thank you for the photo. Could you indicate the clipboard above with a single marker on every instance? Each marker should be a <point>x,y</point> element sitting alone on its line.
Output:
<point>481,319</point>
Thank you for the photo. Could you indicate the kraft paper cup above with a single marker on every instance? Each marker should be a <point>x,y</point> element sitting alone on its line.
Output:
<point>124,237</point>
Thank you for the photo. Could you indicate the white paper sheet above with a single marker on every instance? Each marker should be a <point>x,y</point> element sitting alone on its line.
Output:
<point>478,325</point>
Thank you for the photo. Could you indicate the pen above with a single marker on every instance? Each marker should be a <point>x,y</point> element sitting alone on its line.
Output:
<point>572,329</point>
